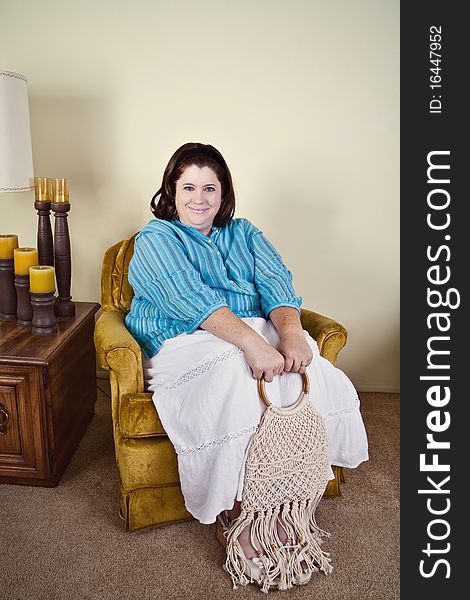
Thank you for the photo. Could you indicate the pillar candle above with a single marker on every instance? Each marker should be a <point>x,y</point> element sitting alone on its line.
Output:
<point>60,190</point>
<point>43,189</point>
<point>41,279</point>
<point>23,259</point>
<point>8,242</point>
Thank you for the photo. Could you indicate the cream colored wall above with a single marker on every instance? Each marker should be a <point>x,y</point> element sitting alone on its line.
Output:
<point>301,97</point>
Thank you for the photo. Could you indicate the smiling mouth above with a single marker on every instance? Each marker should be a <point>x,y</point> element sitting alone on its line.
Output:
<point>198,210</point>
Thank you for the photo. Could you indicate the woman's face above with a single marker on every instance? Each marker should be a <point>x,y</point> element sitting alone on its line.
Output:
<point>198,198</point>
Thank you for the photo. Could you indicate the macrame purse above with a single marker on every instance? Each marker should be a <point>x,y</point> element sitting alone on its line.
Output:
<point>286,474</point>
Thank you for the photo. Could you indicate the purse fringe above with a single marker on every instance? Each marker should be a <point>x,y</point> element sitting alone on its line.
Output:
<point>282,563</point>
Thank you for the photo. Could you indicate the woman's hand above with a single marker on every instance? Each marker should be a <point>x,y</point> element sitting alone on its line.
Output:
<point>292,343</point>
<point>263,359</point>
<point>296,352</point>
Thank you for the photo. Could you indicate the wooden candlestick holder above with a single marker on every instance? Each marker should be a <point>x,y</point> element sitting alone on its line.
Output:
<point>63,261</point>
<point>24,309</point>
<point>45,243</point>
<point>7,290</point>
<point>44,320</point>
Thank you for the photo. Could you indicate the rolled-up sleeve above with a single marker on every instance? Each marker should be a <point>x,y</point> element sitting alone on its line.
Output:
<point>273,280</point>
<point>161,273</point>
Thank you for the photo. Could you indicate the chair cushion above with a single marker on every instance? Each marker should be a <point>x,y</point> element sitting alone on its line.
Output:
<point>138,416</point>
<point>121,290</point>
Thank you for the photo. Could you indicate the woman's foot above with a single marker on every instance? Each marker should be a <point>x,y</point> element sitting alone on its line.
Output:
<point>282,531</point>
<point>244,538</point>
<point>252,565</point>
<point>252,550</point>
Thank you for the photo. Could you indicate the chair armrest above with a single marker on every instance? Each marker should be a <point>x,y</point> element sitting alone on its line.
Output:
<point>330,335</point>
<point>118,352</point>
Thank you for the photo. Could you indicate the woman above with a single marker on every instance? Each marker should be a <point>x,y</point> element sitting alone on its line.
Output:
<point>214,309</point>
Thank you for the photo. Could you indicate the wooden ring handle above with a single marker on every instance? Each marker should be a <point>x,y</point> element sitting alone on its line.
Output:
<point>262,389</point>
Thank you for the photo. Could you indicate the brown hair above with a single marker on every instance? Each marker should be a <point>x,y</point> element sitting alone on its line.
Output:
<point>201,155</point>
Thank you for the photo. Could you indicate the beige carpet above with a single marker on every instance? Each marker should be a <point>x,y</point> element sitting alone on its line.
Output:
<point>67,543</point>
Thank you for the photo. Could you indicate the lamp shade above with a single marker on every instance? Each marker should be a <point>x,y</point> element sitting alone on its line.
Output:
<point>16,157</point>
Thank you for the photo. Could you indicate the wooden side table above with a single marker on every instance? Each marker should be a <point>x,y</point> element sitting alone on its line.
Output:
<point>47,396</point>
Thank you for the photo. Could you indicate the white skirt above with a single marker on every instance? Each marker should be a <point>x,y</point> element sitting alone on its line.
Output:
<point>208,403</point>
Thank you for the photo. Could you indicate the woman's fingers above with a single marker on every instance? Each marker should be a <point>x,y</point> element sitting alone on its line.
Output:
<point>297,363</point>
<point>264,358</point>
<point>285,364</point>
<point>257,374</point>
<point>288,363</point>
<point>268,376</point>
<point>297,353</point>
<point>293,365</point>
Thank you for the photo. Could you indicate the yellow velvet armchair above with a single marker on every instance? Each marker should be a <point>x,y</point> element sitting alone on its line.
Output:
<point>150,492</point>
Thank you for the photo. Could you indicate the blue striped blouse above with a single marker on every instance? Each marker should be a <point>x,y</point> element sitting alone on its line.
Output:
<point>180,276</point>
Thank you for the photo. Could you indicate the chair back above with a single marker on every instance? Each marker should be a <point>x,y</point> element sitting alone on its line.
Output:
<point>116,292</point>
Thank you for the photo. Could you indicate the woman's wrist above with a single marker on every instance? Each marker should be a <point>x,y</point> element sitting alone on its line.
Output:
<point>225,324</point>
<point>291,334</point>
<point>249,338</point>
<point>286,320</point>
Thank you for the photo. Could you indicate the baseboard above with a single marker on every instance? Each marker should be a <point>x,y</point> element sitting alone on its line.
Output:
<point>374,387</point>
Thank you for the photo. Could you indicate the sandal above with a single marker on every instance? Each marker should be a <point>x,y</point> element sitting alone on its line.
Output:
<point>303,579</point>
<point>253,567</point>
<point>221,526</point>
